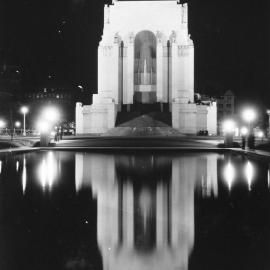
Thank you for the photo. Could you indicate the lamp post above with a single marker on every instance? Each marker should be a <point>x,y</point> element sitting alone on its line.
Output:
<point>229,130</point>
<point>24,111</point>
<point>249,115</point>
<point>49,117</point>
<point>17,125</point>
<point>268,113</point>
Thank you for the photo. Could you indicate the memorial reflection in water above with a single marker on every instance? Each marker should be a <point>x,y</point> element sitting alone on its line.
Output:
<point>145,217</point>
<point>133,211</point>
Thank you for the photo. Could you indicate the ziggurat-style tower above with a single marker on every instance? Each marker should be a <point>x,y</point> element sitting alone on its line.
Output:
<point>145,56</point>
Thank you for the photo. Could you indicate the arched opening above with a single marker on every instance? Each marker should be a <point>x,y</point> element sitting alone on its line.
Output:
<point>145,67</point>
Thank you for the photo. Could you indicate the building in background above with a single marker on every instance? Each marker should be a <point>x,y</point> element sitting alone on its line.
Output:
<point>10,88</point>
<point>62,97</point>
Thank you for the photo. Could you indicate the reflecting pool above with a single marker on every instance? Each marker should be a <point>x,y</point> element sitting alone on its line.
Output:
<point>134,211</point>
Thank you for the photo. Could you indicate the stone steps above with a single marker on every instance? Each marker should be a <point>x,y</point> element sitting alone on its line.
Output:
<point>145,125</point>
<point>143,131</point>
<point>125,118</point>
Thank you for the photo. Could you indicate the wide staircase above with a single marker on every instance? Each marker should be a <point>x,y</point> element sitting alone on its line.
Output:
<point>144,120</point>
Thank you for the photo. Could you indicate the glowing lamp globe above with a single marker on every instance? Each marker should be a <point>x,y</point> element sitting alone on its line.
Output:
<point>244,131</point>
<point>24,110</point>
<point>249,115</point>
<point>17,124</point>
<point>229,126</point>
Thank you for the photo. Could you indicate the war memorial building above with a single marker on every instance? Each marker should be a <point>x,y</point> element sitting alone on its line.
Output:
<point>146,58</point>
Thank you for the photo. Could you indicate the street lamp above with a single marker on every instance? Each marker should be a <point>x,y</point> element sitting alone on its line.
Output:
<point>17,124</point>
<point>229,126</point>
<point>24,111</point>
<point>244,131</point>
<point>43,126</point>
<point>51,114</point>
<point>229,130</point>
<point>2,124</point>
<point>249,115</point>
<point>268,113</point>
<point>49,117</point>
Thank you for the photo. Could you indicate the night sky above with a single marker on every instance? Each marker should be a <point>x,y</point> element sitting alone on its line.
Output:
<point>55,42</point>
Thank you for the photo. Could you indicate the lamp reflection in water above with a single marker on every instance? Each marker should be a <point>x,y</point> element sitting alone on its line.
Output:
<point>17,166</point>
<point>47,171</point>
<point>24,176</point>
<point>0,166</point>
<point>229,174</point>
<point>145,215</point>
<point>268,176</point>
<point>249,172</point>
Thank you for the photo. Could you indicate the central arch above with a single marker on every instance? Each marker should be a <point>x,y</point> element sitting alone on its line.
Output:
<point>145,63</point>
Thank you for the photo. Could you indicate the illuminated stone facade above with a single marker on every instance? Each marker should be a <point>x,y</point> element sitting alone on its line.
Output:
<point>145,56</point>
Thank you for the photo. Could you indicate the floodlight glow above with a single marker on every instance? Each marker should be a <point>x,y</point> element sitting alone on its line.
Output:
<point>43,126</point>
<point>2,124</point>
<point>244,131</point>
<point>229,126</point>
<point>51,114</point>
<point>24,110</point>
<point>249,115</point>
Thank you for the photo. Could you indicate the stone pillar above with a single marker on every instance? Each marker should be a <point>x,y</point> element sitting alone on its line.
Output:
<point>79,118</point>
<point>190,71</point>
<point>116,81</point>
<point>128,71</point>
<point>160,68</point>
<point>186,69</point>
<point>201,117</point>
<point>174,72</point>
<point>109,56</point>
<point>184,117</point>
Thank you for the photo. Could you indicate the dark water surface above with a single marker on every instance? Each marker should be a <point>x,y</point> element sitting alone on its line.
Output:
<point>137,211</point>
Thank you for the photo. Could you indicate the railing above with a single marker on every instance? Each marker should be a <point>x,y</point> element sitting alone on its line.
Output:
<point>17,132</point>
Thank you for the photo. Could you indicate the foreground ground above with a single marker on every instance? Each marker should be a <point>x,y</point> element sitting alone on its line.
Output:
<point>132,141</point>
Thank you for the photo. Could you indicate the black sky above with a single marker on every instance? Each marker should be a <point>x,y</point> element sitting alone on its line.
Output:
<point>60,38</point>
